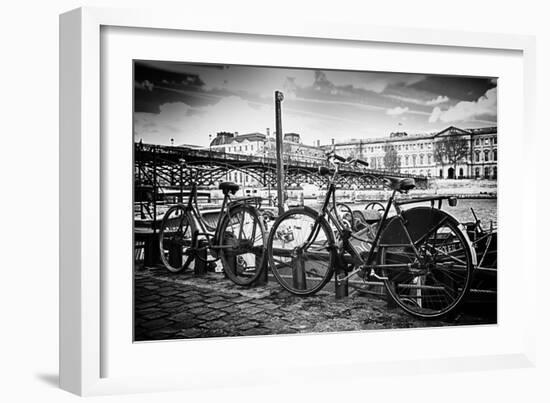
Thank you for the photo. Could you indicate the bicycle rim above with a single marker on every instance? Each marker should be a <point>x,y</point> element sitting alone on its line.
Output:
<point>441,278</point>
<point>242,245</point>
<point>300,253</point>
<point>177,240</point>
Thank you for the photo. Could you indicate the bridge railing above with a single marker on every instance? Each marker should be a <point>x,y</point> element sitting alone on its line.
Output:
<point>174,155</point>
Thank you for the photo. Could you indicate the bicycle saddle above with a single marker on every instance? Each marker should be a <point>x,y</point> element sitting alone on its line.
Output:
<point>227,187</point>
<point>400,184</point>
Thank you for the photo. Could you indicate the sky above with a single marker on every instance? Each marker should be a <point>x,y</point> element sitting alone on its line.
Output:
<point>187,103</point>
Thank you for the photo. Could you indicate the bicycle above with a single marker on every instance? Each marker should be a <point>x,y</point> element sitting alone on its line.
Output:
<point>422,254</point>
<point>238,238</point>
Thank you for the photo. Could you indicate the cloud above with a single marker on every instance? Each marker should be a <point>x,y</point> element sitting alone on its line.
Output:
<point>144,85</point>
<point>439,100</point>
<point>486,105</point>
<point>397,111</point>
<point>371,81</point>
<point>436,101</point>
<point>193,125</point>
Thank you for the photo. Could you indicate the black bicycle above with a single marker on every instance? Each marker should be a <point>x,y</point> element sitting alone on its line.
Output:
<point>237,239</point>
<point>422,254</point>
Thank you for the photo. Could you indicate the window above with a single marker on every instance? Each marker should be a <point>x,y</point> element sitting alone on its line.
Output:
<point>477,172</point>
<point>494,155</point>
<point>477,142</point>
<point>487,172</point>
<point>486,152</point>
<point>414,160</point>
<point>477,156</point>
<point>421,159</point>
<point>494,140</point>
<point>429,159</point>
<point>487,141</point>
<point>406,160</point>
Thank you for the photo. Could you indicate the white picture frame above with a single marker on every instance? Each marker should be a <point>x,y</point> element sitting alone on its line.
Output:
<point>85,346</point>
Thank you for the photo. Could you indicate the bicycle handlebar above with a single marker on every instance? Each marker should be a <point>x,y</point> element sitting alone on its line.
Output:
<point>349,161</point>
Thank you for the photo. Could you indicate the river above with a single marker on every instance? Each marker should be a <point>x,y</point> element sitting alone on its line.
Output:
<point>485,209</point>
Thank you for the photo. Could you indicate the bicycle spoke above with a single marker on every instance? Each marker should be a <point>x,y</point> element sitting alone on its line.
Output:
<point>299,253</point>
<point>242,248</point>
<point>442,266</point>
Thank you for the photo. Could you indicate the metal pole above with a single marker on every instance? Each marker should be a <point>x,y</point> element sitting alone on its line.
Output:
<point>279,149</point>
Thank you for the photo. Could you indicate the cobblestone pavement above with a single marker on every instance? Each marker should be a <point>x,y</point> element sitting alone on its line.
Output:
<point>180,306</point>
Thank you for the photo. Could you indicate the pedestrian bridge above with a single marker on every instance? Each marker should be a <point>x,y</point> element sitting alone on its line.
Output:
<point>178,167</point>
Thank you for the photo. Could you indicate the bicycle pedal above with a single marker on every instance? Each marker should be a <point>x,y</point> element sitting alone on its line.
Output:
<point>373,274</point>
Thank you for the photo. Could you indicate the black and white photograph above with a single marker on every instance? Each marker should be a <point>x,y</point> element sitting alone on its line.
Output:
<point>274,200</point>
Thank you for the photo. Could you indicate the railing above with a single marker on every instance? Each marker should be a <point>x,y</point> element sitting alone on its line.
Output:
<point>290,160</point>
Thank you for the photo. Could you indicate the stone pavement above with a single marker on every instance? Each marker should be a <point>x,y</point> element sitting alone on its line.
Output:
<point>181,306</point>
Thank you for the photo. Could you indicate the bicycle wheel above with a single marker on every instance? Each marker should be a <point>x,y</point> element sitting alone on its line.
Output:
<point>177,239</point>
<point>439,278</point>
<point>242,244</point>
<point>345,216</point>
<point>300,252</point>
<point>376,206</point>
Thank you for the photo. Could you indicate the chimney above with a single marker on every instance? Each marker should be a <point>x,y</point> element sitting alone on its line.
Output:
<point>318,143</point>
<point>267,131</point>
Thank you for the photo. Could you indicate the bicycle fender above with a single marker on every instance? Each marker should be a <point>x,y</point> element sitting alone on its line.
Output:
<point>420,220</point>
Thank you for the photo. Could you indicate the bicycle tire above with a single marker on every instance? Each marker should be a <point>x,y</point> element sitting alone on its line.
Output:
<point>242,270</point>
<point>445,285</point>
<point>307,281</point>
<point>177,246</point>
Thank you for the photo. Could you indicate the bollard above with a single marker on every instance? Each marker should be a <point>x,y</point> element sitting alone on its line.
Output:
<point>175,255</point>
<point>201,265</point>
<point>299,274</point>
<point>261,264</point>
<point>151,251</point>
<point>341,289</point>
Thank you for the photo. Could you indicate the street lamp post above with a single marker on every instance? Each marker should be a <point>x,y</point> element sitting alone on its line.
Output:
<point>279,149</point>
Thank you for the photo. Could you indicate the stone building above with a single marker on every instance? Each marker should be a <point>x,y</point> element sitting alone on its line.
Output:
<point>450,153</point>
<point>263,145</point>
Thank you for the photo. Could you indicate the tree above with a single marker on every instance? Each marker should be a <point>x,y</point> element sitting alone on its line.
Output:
<point>451,150</point>
<point>391,160</point>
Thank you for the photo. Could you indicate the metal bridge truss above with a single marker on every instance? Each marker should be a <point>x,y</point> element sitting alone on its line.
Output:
<point>177,167</point>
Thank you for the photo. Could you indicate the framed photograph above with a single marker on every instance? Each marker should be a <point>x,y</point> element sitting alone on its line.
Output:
<point>235,199</point>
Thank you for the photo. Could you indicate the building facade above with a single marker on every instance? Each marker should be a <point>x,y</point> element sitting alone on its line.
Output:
<point>451,153</point>
<point>263,145</point>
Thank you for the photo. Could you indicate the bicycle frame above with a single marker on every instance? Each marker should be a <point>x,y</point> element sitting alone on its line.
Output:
<point>359,262</point>
<point>193,208</point>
